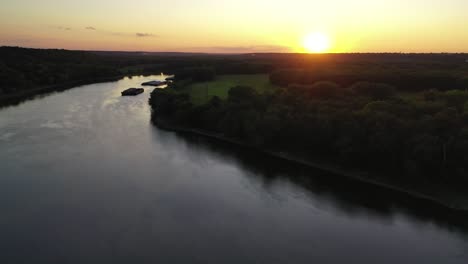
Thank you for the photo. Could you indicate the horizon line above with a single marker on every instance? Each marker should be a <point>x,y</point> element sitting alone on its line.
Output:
<point>242,53</point>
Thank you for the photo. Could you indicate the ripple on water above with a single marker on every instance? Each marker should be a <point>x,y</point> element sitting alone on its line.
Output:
<point>6,136</point>
<point>51,124</point>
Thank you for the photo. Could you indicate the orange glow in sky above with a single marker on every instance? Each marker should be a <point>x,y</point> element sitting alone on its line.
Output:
<point>239,26</point>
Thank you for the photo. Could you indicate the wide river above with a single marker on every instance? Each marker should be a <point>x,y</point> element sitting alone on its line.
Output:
<point>86,178</point>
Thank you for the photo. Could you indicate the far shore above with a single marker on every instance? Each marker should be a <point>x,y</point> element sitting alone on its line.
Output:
<point>364,177</point>
<point>17,98</point>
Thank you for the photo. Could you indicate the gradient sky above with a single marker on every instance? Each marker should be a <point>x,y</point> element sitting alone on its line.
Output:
<point>236,26</point>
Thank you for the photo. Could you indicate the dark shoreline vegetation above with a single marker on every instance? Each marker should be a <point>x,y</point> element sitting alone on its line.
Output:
<point>27,73</point>
<point>30,94</point>
<point>403,127</point>
<point>355,197</point>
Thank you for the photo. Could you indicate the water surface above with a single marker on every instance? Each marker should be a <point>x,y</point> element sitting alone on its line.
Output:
<point>86,178</point>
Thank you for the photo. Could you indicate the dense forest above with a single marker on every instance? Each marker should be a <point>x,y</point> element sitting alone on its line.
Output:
<point>23,69</point>
<point>27,72</point>
<point>399,117</point>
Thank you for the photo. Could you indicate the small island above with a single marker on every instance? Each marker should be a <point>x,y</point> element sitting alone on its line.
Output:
<point>133,91</point>
<point>154,83</point>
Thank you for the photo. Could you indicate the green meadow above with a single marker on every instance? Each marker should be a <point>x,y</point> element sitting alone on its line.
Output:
<point>202,92</point>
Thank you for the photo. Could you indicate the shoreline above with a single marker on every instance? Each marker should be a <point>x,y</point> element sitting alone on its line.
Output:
<point>353,174</point>
<point>14,99</point>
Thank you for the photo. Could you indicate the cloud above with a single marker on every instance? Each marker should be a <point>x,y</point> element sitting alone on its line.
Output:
<point>125,34</point>
<point>63,28</point>
<point>106,32</point>
<point>246,49</point>
<point>18,40</point>
<point>144,35</point>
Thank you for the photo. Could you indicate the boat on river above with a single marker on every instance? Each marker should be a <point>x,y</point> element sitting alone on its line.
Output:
<point>132,91</point>
<point>154,83</point>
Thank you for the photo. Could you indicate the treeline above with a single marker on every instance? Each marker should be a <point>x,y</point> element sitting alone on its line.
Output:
<point>195,74</point>
<point>410,80</point>
<point>366,126</point>
<point>23,69</point>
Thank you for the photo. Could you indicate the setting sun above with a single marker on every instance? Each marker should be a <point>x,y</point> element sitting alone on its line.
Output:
<point>316,43</point>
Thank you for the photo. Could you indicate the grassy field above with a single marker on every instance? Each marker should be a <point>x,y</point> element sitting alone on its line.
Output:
<point>202,92</point>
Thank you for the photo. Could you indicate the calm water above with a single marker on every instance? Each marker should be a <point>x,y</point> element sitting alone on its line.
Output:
<point>86,178</point>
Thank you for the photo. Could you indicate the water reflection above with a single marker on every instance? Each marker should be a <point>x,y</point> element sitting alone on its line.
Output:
<point>56,89</point>
<point>342,195</point>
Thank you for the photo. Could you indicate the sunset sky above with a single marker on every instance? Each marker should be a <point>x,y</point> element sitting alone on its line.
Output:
<point>236,26</point>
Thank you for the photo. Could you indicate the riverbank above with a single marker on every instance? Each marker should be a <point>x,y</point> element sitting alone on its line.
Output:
<point>14,99</point>
<point>425,195</point>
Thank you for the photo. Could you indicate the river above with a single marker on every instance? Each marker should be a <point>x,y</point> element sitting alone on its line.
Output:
<point>86,178</point>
